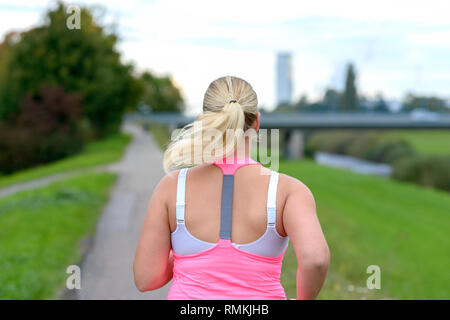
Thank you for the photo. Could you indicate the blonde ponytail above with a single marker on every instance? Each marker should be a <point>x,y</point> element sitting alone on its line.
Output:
<point>229,109</point>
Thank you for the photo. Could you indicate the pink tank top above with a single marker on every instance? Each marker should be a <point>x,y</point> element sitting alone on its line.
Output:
<point>223,270</point>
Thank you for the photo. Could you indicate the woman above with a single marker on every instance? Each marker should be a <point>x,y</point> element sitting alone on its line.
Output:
<point>220,227</point>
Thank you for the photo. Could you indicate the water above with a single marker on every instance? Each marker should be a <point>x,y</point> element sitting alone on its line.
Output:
<point>353,164</point>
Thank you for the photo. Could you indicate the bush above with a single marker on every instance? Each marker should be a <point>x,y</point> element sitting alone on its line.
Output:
<point>364,141</point>
<point>46,129</point>
<point>388,151</point>
<point>331,141</point>
<point>372,146</point>
<point>431,171</point>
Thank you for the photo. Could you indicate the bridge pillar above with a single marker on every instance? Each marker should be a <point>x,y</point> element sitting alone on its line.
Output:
<point>294,144</point>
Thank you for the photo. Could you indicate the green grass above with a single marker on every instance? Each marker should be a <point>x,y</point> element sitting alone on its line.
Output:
<point>95,153</point>
<point>368,220</point>
<point>161,134</point>
<point>40,233</point>
<point>426,142</point>
<point>403,228</point>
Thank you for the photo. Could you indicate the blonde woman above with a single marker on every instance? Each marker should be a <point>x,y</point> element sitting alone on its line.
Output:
<point>220,225</point>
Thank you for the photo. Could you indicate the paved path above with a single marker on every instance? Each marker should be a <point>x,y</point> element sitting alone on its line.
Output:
<point>107,269</point>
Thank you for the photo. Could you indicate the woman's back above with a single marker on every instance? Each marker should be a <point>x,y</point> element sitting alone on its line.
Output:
<point>220,233</point>
<point>225,268</point>
<point>203,203</point>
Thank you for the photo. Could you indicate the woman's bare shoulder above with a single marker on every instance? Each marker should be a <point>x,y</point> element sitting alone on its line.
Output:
<point>169,182</point>
<point>167,185</point>
<point>293,186</point>
<point>170,177</point>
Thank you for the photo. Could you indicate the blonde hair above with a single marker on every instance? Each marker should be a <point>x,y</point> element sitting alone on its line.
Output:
<point>230,105</point>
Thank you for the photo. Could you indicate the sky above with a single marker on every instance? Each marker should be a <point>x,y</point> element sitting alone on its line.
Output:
<point>396,46</point>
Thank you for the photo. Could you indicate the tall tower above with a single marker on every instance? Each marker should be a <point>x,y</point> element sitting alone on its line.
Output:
<point>284,78</point>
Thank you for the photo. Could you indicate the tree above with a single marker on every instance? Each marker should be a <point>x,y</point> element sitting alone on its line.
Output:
<point>81,61</point>
<point>350,97</point>
<point>380,104</point>
<point>332,99</point>
<point>285,108</point>
<point>412,102</point>
<point>5,56</point>
<point>160,94</point>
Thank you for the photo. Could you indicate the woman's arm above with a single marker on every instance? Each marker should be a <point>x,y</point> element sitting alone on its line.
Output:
<point>303,228</point>
<point>153,262</point>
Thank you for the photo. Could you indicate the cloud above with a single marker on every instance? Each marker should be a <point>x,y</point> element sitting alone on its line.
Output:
<point>397,46</point>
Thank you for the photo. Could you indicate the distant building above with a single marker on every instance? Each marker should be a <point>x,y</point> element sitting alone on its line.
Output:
<point>284,78</point>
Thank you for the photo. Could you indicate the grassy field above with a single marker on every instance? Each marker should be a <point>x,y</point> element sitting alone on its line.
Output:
<point>40,233</point>
<point>368,220</point>
<point>160,133</point>
<point>95,153</point>
<point>427,142</point>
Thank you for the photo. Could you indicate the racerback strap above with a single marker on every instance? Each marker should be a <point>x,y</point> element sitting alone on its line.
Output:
<point>226,206</point>
<point>227,201</point>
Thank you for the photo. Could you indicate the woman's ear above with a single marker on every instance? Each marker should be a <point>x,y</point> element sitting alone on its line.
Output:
<point>256,122</point>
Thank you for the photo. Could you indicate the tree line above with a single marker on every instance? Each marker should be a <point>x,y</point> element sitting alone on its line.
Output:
<point>61,87</point>
<point>349,100</point>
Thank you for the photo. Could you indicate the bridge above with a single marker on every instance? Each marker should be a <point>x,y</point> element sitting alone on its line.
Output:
<point>321,120</point>
<point>293,125</point>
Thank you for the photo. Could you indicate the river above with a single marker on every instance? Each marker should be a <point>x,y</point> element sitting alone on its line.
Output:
<point>353,164</point>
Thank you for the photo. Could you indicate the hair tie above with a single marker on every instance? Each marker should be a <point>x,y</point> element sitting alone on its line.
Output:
<point>232,101</point>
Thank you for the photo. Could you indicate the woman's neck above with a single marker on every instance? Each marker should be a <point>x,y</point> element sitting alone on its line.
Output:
<point>241,152</point>
<point>230,163</point>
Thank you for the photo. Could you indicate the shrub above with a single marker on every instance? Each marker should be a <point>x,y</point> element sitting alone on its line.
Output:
<point>372,146</point>
<point>46,129</point>
<point>331,141</point>
<point>361,146</point>
<point>389,150</point>
<point>432,171</point>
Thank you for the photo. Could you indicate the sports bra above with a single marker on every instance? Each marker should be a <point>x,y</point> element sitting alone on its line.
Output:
<point>270,244</point>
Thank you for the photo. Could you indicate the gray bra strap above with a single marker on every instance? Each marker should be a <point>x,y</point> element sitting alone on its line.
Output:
<point>226,206</point>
